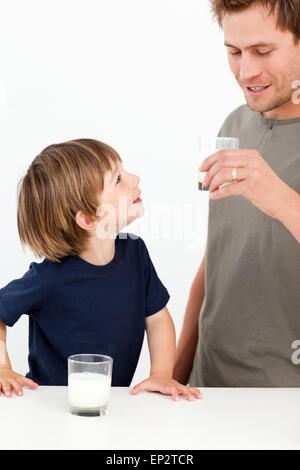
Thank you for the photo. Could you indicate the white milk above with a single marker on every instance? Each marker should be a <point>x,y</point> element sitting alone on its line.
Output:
<point>88,390</point>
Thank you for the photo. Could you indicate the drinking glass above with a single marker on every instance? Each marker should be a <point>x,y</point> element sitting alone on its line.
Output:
<point>208,146</point>
<point>89,381</point>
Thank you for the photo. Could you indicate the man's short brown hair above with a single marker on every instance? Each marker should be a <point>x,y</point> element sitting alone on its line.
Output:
<point>63,179</point>
<point>288,12</point>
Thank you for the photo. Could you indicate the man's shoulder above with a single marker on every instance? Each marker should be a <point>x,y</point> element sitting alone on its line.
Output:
<point>240,112</point>
<point>237,120</point>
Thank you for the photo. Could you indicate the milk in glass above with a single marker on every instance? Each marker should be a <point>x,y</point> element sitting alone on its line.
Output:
<point>88,390</point>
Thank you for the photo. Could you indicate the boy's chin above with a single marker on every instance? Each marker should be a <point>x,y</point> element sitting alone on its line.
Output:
<point>138,213</point>
<point>132,219</point>
<point>135,212</point>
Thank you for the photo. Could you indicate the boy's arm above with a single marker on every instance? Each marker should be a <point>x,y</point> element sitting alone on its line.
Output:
<point>188,340</point>
<point>10,380</point>
<point>162,342</point>
<point>4,359</point>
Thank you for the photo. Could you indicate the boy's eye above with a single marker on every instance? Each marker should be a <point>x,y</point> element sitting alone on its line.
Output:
<point>118,179</point>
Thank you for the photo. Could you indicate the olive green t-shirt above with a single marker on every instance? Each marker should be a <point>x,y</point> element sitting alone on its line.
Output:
<point>250,315</point>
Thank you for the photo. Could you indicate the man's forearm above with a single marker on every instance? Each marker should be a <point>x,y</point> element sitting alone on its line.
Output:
<point>290,215</point>
<point>188,340</point>
<point>4,359</point>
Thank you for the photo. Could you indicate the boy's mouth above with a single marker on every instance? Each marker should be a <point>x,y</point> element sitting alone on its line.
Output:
<point>137,200</point>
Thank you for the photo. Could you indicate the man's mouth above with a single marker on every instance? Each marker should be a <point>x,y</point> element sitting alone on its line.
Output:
<point>256,90</point>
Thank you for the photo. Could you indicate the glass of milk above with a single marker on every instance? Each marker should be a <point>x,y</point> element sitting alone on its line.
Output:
<point>208,146</point>
<point>89,381</point>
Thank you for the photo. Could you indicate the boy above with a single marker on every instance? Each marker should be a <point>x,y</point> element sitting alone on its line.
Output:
<point>97,290</point>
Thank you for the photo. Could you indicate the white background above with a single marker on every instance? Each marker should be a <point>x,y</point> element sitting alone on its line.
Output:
<point>147,77</point>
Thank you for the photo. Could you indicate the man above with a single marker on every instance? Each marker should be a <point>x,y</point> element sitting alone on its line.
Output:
<point>243,313</point>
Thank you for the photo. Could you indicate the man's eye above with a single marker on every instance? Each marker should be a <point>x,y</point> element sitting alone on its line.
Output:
<point>118,179</point>
<point>235,53</point>
<point>262,53</point>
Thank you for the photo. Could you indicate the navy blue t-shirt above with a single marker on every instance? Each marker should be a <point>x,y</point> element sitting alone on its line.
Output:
<point>77,307</point>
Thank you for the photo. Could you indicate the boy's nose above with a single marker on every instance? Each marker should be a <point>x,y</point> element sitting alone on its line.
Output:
<point>135,180</point>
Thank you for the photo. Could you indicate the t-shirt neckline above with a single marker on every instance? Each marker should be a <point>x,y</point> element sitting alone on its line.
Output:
<point>102,268</point>
<point>279,122</point>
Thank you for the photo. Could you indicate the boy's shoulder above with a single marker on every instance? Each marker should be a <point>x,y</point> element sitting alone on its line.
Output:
<point>131,242</point>
<point>129,237</point>
<point>39,267</point>
<point>46,266</point>
<point>130,245</point>
<point>48,272</point>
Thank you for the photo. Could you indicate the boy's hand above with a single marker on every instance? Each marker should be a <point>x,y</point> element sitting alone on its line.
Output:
<point>10,380</point>
<point>166,385</point>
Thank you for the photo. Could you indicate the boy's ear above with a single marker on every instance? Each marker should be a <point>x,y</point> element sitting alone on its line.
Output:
<point>85,222</point>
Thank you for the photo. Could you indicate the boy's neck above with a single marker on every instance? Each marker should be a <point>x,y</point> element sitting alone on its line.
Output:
<point>99,252</point>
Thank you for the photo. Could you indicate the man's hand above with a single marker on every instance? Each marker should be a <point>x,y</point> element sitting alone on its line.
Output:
<point>256,181</point>
<point>10,380</point>
<point>167,386</point>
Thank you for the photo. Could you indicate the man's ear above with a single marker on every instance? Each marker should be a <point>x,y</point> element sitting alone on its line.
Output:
<point>85,222</point>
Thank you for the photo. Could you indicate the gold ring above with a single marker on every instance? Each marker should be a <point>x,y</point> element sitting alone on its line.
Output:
<point>234,175</point>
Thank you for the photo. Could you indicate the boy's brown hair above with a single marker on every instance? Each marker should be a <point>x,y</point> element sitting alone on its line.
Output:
<point>287,11</point>
<point>63,179</point>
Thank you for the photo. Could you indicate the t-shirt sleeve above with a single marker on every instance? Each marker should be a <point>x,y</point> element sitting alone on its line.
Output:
<point>20,296</point>
<point>157,295</point>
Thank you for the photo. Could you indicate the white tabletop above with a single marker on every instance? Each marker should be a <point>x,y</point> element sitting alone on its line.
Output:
<point>226,418</point>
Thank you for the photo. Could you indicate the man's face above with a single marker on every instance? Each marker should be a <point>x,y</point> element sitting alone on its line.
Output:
<point>264,60</point>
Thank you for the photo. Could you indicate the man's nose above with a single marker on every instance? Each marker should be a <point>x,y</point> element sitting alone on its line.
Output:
<point>249,68</point>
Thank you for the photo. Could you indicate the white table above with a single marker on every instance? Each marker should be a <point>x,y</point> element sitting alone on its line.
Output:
<point>226,418</point>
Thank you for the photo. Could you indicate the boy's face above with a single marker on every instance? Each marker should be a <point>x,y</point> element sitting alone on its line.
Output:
<point>120,203</point>
<point>263,57</point>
